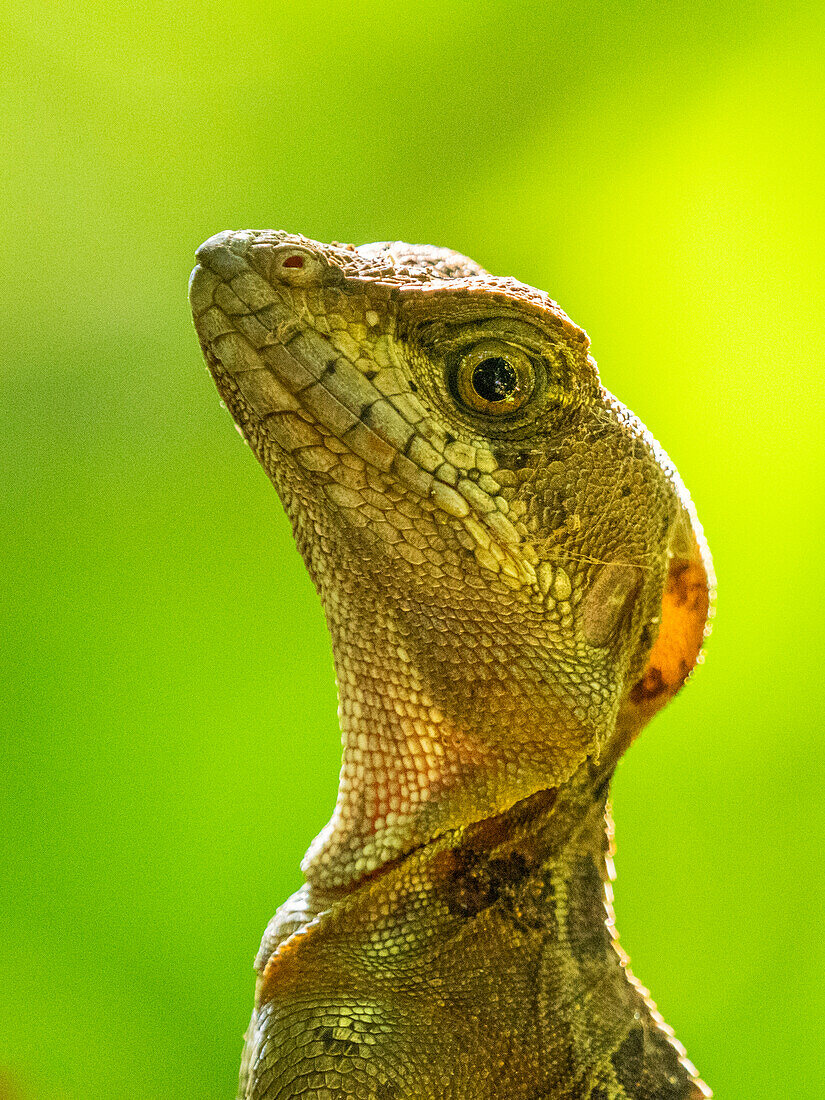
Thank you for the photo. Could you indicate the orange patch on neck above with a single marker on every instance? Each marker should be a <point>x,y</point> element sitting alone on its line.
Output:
<point>685,608</point>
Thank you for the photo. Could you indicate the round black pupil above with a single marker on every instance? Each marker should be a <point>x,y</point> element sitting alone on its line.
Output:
<point>494,379</point>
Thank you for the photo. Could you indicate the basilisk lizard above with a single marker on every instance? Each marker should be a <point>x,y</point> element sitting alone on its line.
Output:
<point>515,581</point>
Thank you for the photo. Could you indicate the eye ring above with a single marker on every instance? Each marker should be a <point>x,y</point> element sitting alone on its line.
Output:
<point>495,378</point>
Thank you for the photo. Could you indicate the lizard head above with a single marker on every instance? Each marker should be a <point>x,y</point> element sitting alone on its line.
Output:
<point>512,572</point>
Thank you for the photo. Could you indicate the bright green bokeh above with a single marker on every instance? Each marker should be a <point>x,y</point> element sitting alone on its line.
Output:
<point>169,735</point>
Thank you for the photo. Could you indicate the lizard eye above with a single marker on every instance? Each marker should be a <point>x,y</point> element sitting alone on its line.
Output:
<point>494,378</point>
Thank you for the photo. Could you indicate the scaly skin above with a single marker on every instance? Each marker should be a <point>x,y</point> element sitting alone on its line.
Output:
<point>515,582</point>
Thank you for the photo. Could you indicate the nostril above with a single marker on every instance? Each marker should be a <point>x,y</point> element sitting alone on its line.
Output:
<point>296,266</point>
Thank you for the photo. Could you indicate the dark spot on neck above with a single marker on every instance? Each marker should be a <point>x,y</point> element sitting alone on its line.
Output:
<point>629,1060</point>
<point>475,882</point>
<point>649,687</point>
<point>470,888</point>
<point>602,786</point>
<point>335,1045</point>
<point>586,913</point>
<point>474,878</point>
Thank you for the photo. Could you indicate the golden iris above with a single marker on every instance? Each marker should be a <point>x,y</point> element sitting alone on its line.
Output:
<point>494,378</point>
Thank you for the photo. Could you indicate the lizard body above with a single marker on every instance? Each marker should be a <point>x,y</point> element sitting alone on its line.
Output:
<point>514,581</point>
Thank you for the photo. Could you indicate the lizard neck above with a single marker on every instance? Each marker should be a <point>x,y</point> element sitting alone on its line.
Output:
<point>446,719</point>
<point>544,872</point>
<point>558,1014</point>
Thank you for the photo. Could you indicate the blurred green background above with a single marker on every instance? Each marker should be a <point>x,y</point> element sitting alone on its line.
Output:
<point>169,740</point>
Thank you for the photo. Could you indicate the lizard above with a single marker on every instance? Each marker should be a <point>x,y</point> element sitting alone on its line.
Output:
<point>515,581</point>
